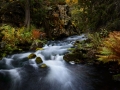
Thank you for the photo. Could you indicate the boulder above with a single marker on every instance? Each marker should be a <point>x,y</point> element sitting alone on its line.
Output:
<point>76,57</point>
<point>32,55</point>
<point>38,60</point>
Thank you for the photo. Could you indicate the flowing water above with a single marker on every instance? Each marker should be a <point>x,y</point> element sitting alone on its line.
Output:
<point>17,72</point>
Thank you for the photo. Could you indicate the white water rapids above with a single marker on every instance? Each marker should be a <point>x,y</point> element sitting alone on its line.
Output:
<point>19,73</point>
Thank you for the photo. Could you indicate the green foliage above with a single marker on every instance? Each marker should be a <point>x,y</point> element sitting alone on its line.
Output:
<point>17,39</point>
<point>95,14</point>
<point>38,12</point>
<point>12,12</point>
<point>87,15</point>
<point>14,36</point>
<point>95,39</point>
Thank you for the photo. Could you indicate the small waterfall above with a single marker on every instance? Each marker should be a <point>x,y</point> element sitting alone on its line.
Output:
<point>8,62</point>
<point>25,74</point>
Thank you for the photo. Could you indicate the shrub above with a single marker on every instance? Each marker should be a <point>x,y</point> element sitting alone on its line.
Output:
<point>95,39</point>
<point>17,39</point>
<point>14,36</point>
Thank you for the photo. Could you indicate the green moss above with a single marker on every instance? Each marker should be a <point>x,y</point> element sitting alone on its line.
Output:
<point>38,60</point>
<point>76,57</point>
<point>32,55</point>
<point>39,49</point>
<point>43,65</point>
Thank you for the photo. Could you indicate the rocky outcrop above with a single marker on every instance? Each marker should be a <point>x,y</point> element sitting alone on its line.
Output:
<point>59,21</point>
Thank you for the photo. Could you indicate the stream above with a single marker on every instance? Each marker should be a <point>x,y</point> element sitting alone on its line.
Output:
<point>17,72</point>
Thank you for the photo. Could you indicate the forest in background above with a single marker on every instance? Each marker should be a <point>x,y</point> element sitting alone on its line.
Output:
<point>86,14</point>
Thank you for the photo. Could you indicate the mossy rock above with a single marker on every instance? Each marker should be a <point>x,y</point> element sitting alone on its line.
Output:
<point>36,44</point>
<point>76,57</point>
<point>39,49</point>
<point>32,55</point>
<point>43,65</point>
<point>116,77</point>
<point>38,60</point>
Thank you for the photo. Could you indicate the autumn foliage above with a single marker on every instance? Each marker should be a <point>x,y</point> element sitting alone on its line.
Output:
<point>110,48</point>
<point>37,34</point>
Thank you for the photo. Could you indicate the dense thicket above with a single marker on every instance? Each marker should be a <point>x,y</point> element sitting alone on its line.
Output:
<point>96,14</point>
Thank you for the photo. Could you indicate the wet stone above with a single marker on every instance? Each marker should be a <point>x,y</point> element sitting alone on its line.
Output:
<point>32,55</point>
<point>43,66</point>
<point>38,60</point>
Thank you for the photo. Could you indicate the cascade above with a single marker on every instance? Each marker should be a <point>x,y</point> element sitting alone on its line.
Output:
<point>17,72</point>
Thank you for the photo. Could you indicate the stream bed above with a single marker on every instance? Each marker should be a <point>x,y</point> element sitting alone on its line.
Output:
<point>17,72</point>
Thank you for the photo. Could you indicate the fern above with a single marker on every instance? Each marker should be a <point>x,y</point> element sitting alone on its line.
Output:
<point>110,49</point>
<point>95,39</point>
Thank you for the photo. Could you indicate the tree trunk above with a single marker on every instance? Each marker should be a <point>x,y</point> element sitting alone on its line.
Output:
<point>27,14</point>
